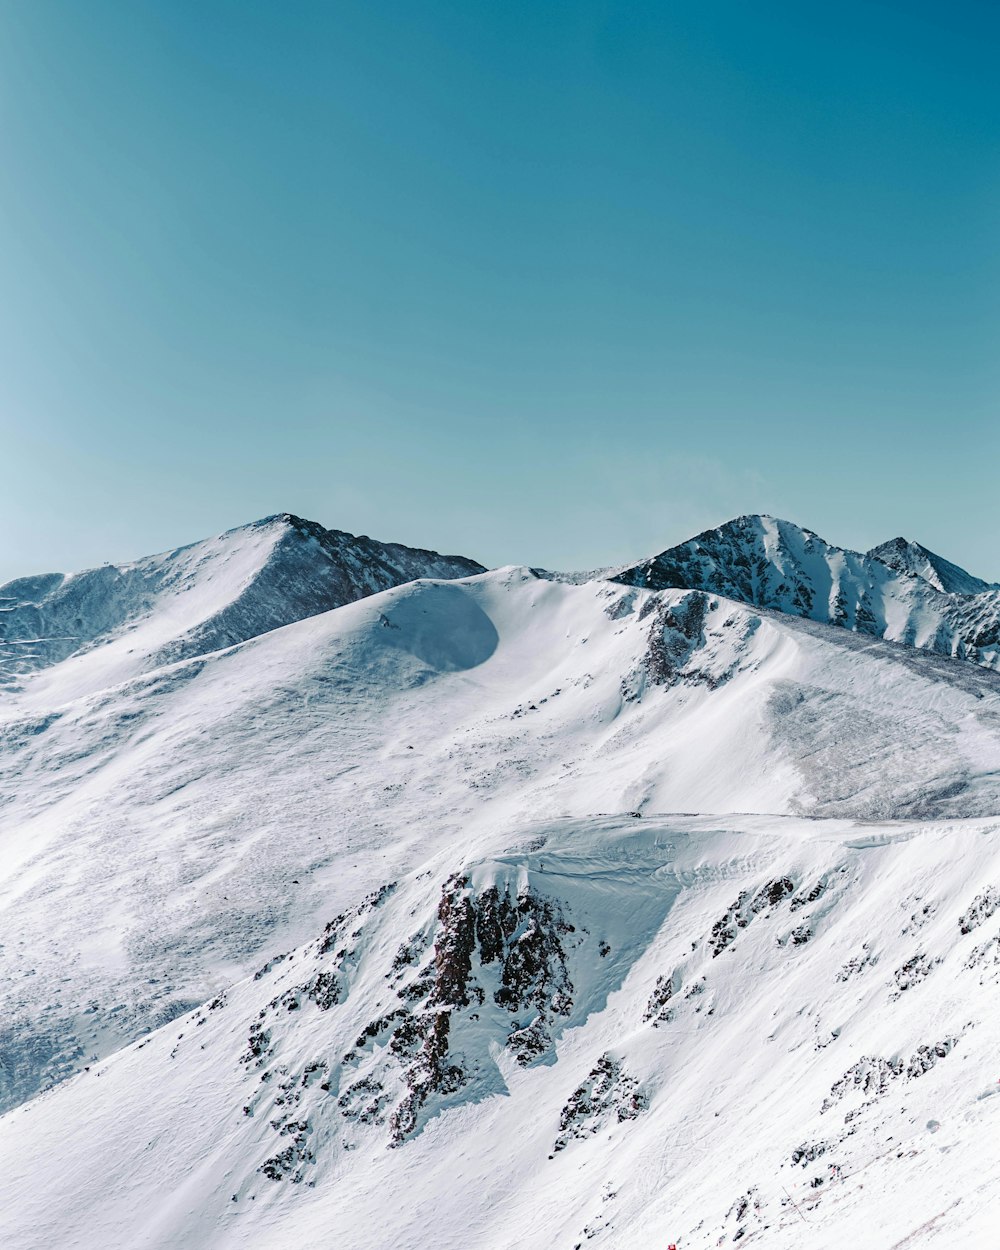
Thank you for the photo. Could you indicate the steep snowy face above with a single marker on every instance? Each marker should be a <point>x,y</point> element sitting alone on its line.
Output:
<point>911,558</point>
<point>122,619</point>
<point>620,1032</point>
<point>907,597</point>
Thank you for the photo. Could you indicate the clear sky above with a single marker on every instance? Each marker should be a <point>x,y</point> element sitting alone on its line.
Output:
<point>557,282</point>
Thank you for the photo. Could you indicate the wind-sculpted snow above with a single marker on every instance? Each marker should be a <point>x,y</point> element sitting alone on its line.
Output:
<point>200,598</point>
<point>899,591</point>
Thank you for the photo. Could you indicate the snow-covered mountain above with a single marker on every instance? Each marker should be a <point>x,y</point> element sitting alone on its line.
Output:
<point>125,618</point>
<point>912,558</point>
<point>898,591</point>
<point>502,910</point>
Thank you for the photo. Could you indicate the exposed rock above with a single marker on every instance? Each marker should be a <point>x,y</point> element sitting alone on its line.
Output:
<point>740,913</point>
<point>608,1093</point>
<point>802,900</point>
<point>656,1008</point>
<point>914,971</point>
<point>808,1152</point>
<point>867,959</point>
<point>872,1074</point>
<point>982,907</point>
<point>986,955</point>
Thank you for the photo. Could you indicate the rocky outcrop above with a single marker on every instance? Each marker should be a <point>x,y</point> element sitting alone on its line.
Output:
<point>609,1094</point>
<point>872,1075</point>
<point>492,971</point>
<point>982,907</point>
<point>748,905</point>
<point>693,641</point>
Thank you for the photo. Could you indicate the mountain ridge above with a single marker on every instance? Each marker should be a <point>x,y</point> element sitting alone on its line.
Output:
<point>906,556</point>
<point>281,568</point>
<point>770,563</point>
<point>200,597</point>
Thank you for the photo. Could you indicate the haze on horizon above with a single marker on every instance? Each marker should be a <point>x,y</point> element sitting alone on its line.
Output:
<point>548,284</point>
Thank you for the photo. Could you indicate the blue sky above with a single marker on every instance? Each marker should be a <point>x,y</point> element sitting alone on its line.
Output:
<point>554,283</point>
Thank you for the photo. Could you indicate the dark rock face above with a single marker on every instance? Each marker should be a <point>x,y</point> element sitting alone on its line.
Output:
<point>428,1071</point>
<point>914,971</point>
<point>747,1214</point>
<point>312,570</point>
<point>751,559</point>
<point>773,564</point>
<point>677,651</point>
<point>657,1010</point>
<point>487,940</point>
<point>985,956</point>
<point>808,1153</point>
<point>454,948</point>
<point>916,561</point>
<point>727,927</point>
<point>867,959</point>
<point>803,900</point>
<point>982,907</point>
<point>872,1075</point>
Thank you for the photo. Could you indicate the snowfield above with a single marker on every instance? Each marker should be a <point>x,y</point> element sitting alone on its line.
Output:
<point>505,910</point>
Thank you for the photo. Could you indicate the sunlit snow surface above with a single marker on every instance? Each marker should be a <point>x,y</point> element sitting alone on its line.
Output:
<point>800,968</point>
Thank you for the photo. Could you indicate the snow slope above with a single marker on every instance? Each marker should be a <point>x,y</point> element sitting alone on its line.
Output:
<point>455,810</point>
<point>898,591</point>
<point>182,818</point>
<point>619,1032</point>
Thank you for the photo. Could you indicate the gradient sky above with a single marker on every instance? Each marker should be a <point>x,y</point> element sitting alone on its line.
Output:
<point>557,283</point>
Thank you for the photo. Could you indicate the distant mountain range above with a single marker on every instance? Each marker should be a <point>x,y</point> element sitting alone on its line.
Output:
<point>281,569</point>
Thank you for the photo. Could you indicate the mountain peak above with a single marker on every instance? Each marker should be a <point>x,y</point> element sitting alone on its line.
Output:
<point>205,596</point>
<point>755,558</point>
<point>905,556</point>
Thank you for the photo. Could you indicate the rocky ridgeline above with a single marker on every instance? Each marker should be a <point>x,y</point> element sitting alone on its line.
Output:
<point>307,570</point>
<point>777,565</point>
